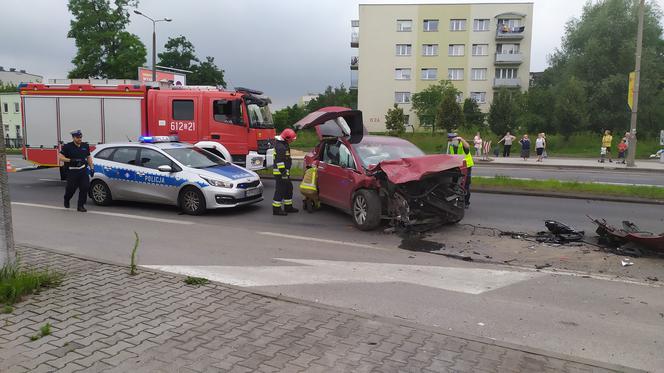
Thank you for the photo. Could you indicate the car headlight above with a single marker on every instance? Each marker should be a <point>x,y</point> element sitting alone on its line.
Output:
<point>218,183</point>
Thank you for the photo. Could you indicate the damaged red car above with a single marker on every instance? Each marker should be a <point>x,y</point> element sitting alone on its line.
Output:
<point>382,178</point>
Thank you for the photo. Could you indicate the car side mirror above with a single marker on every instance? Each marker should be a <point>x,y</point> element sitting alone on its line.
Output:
<point>165,168</point>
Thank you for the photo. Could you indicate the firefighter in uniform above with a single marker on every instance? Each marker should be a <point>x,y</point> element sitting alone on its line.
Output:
<point>282,203</point>
<point>77,163</point>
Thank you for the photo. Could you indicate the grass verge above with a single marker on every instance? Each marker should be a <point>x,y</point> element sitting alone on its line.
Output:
<point>16,282</point>
<point>574,187</point>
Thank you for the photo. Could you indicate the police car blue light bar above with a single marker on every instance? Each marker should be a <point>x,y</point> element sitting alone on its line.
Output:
<point>156,139</point>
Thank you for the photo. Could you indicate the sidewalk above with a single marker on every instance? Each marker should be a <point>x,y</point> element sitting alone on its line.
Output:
<point>105,320</point>
<point>651,165</point>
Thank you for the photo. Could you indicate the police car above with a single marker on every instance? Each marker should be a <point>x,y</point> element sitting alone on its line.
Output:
<point>162,170</point>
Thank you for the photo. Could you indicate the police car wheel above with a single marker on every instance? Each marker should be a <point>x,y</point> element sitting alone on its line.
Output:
<point>366,210</point>
<point>192,201</point>
<point>100,193</point>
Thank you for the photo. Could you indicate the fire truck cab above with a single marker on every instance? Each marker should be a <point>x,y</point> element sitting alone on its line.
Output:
<point>237,125</point>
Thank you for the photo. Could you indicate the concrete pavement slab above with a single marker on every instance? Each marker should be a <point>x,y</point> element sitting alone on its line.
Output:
<point>309,335</point>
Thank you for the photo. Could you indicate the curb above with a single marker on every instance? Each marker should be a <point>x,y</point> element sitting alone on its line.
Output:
<point>522,192</point>
<point>387,320</point>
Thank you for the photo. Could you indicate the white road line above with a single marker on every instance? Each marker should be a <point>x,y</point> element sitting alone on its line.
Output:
<point>53,180</point>
<point>334,242</point>
<point>115,214</point>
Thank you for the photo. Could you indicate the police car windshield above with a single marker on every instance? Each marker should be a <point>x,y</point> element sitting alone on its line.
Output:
<point>195,157</point>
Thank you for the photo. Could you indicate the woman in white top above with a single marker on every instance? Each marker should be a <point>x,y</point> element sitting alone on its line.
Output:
<point>507,143</point>
<point>478,145</point>
<point>540,145</point>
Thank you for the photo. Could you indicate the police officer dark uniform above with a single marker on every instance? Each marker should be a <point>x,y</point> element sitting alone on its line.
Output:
<point>78,163</point>
<point>283,191</point>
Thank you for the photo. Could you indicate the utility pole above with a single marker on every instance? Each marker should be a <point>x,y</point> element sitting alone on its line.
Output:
<point>154,40</point>
<point>631,151</point>
<point>7,252</point>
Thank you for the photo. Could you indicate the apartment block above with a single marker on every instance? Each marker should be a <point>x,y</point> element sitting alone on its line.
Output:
<point>402,49</point>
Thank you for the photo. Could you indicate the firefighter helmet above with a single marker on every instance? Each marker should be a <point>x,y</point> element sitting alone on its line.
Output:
<point>288,135</point>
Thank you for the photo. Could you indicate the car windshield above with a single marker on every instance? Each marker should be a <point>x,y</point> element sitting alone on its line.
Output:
<point>371,153</point>
<point>259,116</point>
<point>195,157</point>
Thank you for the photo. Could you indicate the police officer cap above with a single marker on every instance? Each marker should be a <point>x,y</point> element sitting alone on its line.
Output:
<point>76,133</point>
<point>451,135</point>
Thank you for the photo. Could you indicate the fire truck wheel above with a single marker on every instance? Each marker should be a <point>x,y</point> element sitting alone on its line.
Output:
<point>192,201</point>
<point>100,193</point>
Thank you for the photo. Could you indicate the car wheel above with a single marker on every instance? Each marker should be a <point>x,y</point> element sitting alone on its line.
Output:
<point>192,201</point>
<point>100,193</point>
<point>366,210</point>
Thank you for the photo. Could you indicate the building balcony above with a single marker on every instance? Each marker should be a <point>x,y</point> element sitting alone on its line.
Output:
<point>506,83</point>
<point>355,33</point>
<point>510,33</point>
<point>508,58</point>
<point>354,63</point>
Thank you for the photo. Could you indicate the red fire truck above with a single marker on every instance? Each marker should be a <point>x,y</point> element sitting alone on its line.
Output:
<point>234,124</point>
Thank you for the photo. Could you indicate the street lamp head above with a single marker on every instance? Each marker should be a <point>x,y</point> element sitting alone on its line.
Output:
<point>138,12</point>
<point>168,19</point>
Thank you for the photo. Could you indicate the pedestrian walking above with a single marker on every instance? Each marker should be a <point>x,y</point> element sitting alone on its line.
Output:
<point>605,150</point>
<point>525,147</point>
<point>540,146</point>
<point>622,150</point>
<point>78,166</point>
<point>458,146</point>
<point>282,202</point>
<point>478,144</point>
<point>507,143</point>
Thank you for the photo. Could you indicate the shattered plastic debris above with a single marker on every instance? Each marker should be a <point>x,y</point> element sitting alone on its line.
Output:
<point>558,233</point>
<point>626,262</point>
<point>629,235</point>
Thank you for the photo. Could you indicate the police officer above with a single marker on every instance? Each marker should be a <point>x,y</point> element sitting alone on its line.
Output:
<point>457,145</point>
<point>78,163</point>
<point>283,191</point>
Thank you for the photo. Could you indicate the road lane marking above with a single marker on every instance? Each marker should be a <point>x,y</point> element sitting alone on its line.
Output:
<point>313,272</point>
<point>321,240</point>
<point>58,180</point>
<point>115,214</point>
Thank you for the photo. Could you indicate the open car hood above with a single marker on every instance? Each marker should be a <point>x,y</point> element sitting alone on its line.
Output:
<point>334,121</point>
<point>404,170</point>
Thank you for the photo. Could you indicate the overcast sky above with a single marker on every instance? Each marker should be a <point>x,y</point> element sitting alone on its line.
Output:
<point>285,48</point>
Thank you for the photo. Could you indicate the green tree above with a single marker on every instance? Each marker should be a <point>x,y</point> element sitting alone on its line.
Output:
<point>598,50</point>
<point>288,116</point>
<point>339,96</point>
<point>395,121</point>
<point>504,111</point>
<point>449,115</point>
<point>538,115</point>
<point>570,108</point>
<point>426,103</point>
<point>178,53</point>
<point>206,73</point>
<point>8,87</point>
<point>105,49</point>
<point>472,114</point>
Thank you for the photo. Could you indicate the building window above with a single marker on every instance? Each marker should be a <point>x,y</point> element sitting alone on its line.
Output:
<point>479,97</point>
<point>5,107</point>
<point>478,74</point>
<point>481,25</point>
<point>429,49</point>
<point>455,74</point>
<point>406,119</point>
<point>456,50</point>
<point>507,48</point>
<point>510,23</point>
<point>404,49</point>
<point>18,131</point>
<point>404,25</point>
<point>429,74</point>
<point>17,107</point>
<point>430,25</point>
<point>402,74</point>
<point>506,73</point>
<point>459,98</point>
<point>457,25</point>
<point>402,97</point>
<point>480,49</point>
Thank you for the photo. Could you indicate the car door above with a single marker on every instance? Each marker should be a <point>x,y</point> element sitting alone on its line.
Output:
<point>154,185</point>
<point>336,180</point>
<point>121,170</point>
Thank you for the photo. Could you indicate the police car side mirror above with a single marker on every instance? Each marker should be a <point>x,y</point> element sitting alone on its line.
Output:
<point>165,168</point>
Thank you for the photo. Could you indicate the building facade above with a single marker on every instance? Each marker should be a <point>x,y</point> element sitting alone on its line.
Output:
<point>402,49</point>
<point>10,110</point>
<point>16,77</point>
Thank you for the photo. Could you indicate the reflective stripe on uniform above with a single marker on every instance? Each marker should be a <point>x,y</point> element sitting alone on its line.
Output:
<point>276,203</point>
<point>287,202</point>
<point>303,186</point>
<point>276,172</point>
<point>281,165</point>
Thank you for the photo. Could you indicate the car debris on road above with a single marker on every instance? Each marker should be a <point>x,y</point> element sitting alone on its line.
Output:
<point>630,240</point>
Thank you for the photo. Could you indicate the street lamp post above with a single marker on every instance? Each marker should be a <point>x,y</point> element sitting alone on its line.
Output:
<point>154,41</point>
<point>631,152</point>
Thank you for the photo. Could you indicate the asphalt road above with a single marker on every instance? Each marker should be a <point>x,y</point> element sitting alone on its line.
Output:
<point>590,175</point>
<point>322,257</point>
